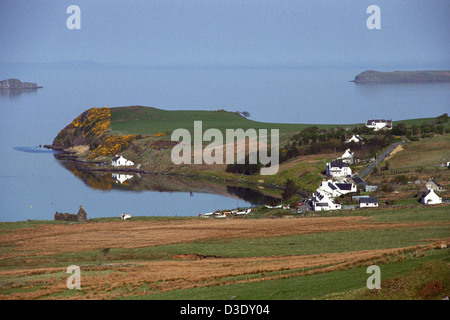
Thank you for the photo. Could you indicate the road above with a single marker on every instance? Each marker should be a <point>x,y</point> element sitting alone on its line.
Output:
<point>379,159</point>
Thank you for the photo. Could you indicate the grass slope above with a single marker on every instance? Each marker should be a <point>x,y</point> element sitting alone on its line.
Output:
<point>149,120</point>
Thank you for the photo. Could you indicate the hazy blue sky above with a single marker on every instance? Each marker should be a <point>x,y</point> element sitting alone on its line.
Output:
<point>212,32</point>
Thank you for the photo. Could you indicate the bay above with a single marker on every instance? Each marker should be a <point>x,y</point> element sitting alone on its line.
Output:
<point>34,184</point>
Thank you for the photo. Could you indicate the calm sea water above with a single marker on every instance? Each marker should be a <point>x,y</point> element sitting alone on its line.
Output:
<point>34,184</point>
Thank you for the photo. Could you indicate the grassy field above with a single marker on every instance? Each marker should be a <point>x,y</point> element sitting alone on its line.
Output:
<point>322,257</point>
<point>149,121</point>
<point>426,153</point>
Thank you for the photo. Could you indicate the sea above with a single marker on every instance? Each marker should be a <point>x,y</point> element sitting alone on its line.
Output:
<point>34,184</point>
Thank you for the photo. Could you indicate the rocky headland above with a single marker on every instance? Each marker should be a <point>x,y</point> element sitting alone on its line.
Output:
<point>17,84</point>
<point>426,76</point>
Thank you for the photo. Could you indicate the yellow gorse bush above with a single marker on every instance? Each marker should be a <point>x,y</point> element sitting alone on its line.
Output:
<point>95,124</point>
<point>95,120</point>
<point>112,145</point>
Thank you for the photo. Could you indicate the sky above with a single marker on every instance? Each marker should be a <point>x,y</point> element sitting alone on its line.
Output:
<point>226,32</point>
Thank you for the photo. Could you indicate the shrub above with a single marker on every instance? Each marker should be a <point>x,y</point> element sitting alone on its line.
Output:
<point>431,289</point>
<point>290,189</point>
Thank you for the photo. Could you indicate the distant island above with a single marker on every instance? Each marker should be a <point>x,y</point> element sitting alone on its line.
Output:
<point>371,76</point>
<point>17,84</point>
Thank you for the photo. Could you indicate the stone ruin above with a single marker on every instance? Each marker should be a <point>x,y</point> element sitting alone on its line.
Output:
<point>80,216</point>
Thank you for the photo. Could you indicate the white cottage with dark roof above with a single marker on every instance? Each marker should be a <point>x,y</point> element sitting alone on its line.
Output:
<point>322,202</point>
<point>121,161</point>
<point>348,157</point>
<point>432,184</point>
<point>355,139</point>
<point>379,124</point>
<point>430,198</point>
<point>336,189</point>
<point>338,169</point>
<point>368,202</point>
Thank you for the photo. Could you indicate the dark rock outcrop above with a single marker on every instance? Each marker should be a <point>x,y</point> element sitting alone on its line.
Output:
<point>80,216</point>
<point>86,129</point>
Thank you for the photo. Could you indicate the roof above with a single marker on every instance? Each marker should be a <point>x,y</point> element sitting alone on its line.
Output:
<point>370,121</point>
<point>344,186</point>
<point>359,181</point>
<point>332,186</point>
<point>321,204</point>
<point>426,193</point>
<point>434,181</point>
<point>339,164</point>
<point>116,158</point>
<point>368,200</point>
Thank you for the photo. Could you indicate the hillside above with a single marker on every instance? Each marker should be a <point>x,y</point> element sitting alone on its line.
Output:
<point>142,135</point>
<point>371,76</point>
<point>148,121</point>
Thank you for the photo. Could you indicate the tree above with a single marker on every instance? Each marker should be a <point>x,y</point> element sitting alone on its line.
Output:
<point>399,130</point>
<point>245,114</point>
<point>442,119</point>
<point>289,190</point>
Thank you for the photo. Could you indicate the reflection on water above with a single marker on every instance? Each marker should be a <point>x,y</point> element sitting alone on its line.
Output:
<point>35,150</point>
<point>15,92</point>
<point>96,178</point>
<point>121,178</point>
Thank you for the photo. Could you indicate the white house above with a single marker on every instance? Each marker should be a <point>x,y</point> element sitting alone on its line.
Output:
<point>368,202</point>
<point>338,169</point>
<point>336,189</point>
<point>431,198</point>
<point>322,202</point>
<point>379,124</point>
<point>348,157</point>
<point>355,139</point>
<point>121,161</point>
